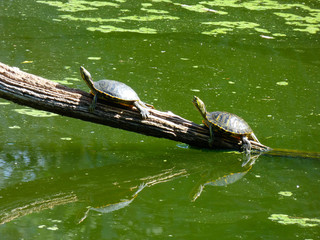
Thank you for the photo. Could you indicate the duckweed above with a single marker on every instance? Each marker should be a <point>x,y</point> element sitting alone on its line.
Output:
<point>78,5</point>
<point>108,29</point>
<point>98,20</point>
<point>287,220</point>
<point>149,18</point>
<point>226,26</point>
<point>301,17</point>
<point>34,112</point>
<point>285,193</point>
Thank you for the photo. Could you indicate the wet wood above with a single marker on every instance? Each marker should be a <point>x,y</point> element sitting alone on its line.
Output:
<point>39,93</point>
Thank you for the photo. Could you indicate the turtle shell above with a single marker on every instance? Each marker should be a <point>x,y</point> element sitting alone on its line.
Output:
<point>229,122</point>
<point>117,91</point>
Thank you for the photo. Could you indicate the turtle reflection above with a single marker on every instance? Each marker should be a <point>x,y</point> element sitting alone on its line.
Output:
<point>165,176</point>
<point>116,206</point>
<point>232,177</point>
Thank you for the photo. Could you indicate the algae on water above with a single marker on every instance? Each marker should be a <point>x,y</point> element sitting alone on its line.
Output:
<point>34,112</point>
<point>273,18</point>
<point>109,28</point>
<point>288,220</point>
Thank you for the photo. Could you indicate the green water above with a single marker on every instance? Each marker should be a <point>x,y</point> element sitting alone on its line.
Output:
<point>63,178</point>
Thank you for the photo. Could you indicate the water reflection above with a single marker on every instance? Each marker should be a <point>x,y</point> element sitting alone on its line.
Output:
<point>99,189</point>
<point>169,175</point>
<point>35,205</point>
<point>116,206</point>
<point>211,177</point>
<point>110,188</point>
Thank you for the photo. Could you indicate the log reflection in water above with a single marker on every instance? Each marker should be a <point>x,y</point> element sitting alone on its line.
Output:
<point>87,187</point>
<point>38,205</point>
<point>152,180</point>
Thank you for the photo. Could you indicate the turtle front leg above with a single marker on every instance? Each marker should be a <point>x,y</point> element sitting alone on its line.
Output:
<point>93,103</point>
<point>142,108</point>
<point>246,145</point>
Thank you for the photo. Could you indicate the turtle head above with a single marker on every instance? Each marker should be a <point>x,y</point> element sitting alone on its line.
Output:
<point>200,106</point>
<point>86,76</point>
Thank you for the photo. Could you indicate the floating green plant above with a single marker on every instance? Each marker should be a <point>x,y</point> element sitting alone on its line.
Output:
<point>66,138</point>
<point>218,31</point>
<point>149,10</point>
<point>145,5</point>
<point>149,18</point>
<point>94,58</point>
<point>287,220</point>
<point>310,24</point>
<point>108,29</point>
<point>257,5</point>
<point>240,24</point>
<point>227,26</point>
<point>279,34</point>
<point>34,112</point>
<point>63,82</point>
<point>261,30</point>
<point>301,18</point>
<point>309,29</point>
<point>53,228</point>
<point>66,81</point>
<point>194,90</point>
<point>98,20</point>
<point>15,127</point>
<point>285,193</point>
<point>78,5</point>
<point>282,83</point>
<point>4,103</point>
<point>166,1</point>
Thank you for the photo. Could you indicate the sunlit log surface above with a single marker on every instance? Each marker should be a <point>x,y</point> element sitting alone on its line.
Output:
<point>36,92</point>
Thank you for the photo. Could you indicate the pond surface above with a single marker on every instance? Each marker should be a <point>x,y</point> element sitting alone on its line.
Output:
<point>62,178</point>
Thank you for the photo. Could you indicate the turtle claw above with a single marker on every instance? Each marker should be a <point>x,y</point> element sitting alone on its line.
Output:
<point>144,114</point>
<point>246,145</point>
<point>142,108</point>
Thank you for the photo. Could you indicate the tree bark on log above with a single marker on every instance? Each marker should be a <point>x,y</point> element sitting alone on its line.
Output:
<point>36,92</point>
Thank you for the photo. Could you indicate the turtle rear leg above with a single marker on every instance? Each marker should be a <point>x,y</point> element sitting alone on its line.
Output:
<point>253,136</point>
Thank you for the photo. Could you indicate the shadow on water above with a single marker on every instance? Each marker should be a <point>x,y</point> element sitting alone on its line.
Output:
<point>110,188</point>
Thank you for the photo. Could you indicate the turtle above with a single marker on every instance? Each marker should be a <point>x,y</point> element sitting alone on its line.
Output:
<point>114,91</point>
<point>226,123</point>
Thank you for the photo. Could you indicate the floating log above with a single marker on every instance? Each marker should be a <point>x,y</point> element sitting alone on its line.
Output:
<point>36,92</point>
